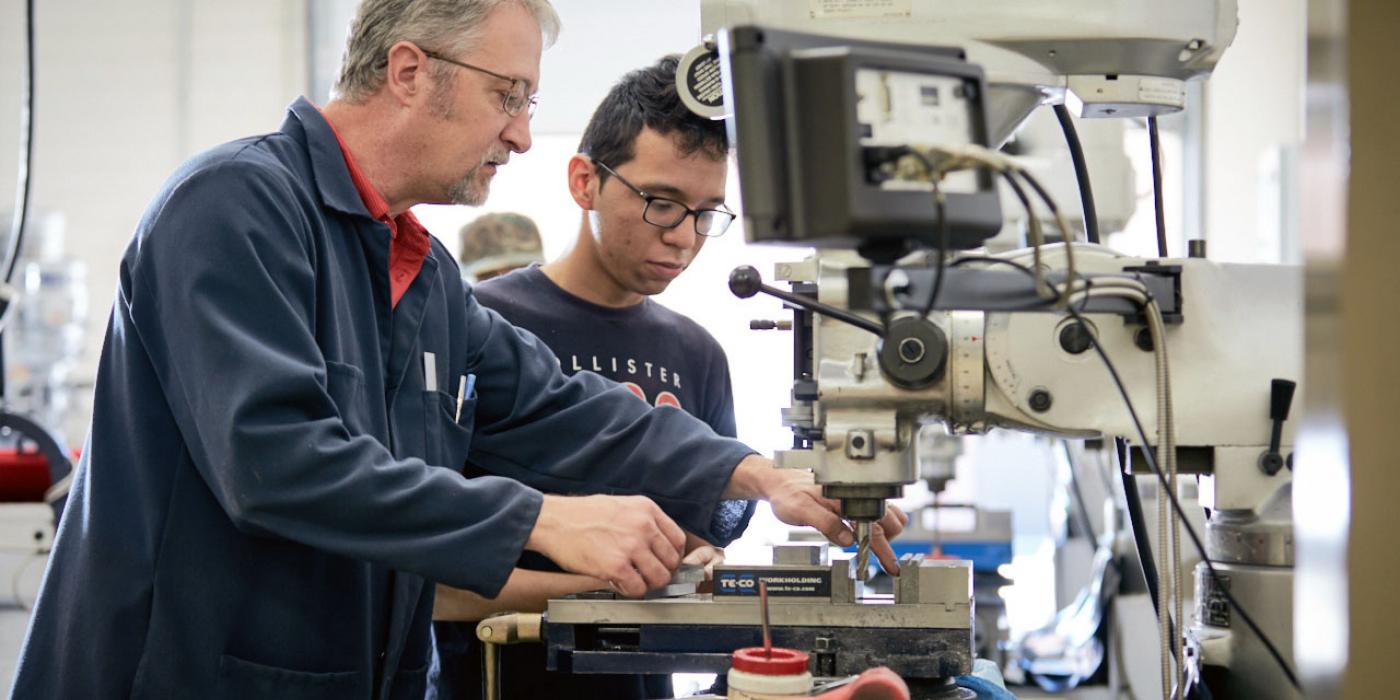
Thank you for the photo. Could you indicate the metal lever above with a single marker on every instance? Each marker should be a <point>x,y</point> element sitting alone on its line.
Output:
<point>745,282</point>
<point>1280,400</point>
<point>506,628</point>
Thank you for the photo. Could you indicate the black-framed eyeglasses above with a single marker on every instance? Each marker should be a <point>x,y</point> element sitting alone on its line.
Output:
<point>669,213</point>
<point>514,100</point>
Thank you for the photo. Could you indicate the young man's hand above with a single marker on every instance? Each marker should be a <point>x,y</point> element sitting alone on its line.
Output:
<point>624,540</point>
<point>796,500</point>
<point>706,555</point>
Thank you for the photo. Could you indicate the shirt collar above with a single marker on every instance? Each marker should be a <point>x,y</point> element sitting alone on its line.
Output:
<point>305,124</point>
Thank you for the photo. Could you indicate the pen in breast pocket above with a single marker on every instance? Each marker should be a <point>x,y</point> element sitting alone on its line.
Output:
<point>464,389</point>
<point>429,371</point>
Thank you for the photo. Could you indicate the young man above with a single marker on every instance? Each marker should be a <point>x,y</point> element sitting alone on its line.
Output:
<point>650,179</point>
<point>292,375</point>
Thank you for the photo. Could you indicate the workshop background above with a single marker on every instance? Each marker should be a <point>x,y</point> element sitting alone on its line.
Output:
<point>127,89</point>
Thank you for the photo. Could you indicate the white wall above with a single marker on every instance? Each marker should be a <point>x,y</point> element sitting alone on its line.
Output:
<point>1253,128</point>
<point>125,90</point>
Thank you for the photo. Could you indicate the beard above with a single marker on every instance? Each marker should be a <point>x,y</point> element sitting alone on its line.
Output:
<point>471,189</point>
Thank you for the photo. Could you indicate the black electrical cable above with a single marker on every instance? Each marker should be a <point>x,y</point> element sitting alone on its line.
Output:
<point>1138,522</point>
<point>1081,173</point>
<point>26,150</point>
<point>1076,493</point>
<point>941,205</point>
<point>1155,143</point>
<point>1181,513</point>
<point>26,157</point>
<point>1162,481</point>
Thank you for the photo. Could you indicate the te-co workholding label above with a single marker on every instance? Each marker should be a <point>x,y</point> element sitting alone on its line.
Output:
<point>795,583</point>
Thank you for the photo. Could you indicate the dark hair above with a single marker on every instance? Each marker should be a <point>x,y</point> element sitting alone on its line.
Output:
<point>647,97</point>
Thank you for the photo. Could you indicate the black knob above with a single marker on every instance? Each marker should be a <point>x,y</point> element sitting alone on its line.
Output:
<point>1143,340</point>
<point>1075,338</point>
<point>745,281</point>
<point>913,353</point>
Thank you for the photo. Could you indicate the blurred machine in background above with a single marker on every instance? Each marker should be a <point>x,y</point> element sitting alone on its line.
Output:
<point>42,343</point>
<point>44,339</point>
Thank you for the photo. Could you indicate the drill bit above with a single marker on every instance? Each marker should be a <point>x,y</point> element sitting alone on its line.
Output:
<point>862,550</point>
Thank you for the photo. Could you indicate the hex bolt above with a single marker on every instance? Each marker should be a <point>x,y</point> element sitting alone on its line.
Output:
<point>1041,400</point>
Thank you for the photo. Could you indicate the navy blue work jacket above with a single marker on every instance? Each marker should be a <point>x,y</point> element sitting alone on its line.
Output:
<point>269,487</point>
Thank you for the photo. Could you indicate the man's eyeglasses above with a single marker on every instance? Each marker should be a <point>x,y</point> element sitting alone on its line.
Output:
<point>669,213</point>
<point>514,100</point>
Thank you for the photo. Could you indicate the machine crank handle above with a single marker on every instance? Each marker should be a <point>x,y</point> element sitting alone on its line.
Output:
<point>745,282</point>
<point>1280,400</point>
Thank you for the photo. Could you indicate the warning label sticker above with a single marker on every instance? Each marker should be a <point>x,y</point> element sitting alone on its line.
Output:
<point>1214,608</point>
<point>852,9</point>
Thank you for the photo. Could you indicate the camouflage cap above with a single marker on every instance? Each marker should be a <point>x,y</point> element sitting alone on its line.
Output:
<point>495,241</point>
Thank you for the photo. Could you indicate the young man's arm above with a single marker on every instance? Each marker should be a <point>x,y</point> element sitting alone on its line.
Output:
<point>525,591</point>
<point>528,590</point>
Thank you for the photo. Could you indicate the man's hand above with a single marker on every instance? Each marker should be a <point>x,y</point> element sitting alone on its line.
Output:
<point>708,556</point>
<point>796,500</point>
<point>624,540</point>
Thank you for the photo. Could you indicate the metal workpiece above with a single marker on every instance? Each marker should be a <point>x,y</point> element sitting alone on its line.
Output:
<point>946,582</point>
<point>686,579</point>
<point>802,555</point>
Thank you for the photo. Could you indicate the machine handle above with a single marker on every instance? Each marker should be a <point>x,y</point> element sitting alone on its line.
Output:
<point>745,282</point>
<point>1280,401</point>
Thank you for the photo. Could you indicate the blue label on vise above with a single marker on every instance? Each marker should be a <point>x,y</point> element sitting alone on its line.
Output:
<point>730,583</point>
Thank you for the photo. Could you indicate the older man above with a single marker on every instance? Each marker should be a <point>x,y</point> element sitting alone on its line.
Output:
<point>290,364</point>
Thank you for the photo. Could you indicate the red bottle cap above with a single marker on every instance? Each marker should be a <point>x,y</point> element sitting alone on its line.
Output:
<point>783,662</point>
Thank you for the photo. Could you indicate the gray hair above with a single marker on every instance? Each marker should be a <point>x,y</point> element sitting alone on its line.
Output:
<point>440,25</point>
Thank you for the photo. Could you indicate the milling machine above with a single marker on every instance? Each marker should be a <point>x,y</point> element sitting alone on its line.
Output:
<point>880,154</point>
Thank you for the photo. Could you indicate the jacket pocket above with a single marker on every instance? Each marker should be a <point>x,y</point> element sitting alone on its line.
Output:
<point>448,436</point>
<point>246,679</point>
<point>410,684</point>
<point>345,384</point>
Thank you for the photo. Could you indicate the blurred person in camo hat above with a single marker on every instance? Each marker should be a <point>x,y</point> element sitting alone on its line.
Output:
<point>494,244</point>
